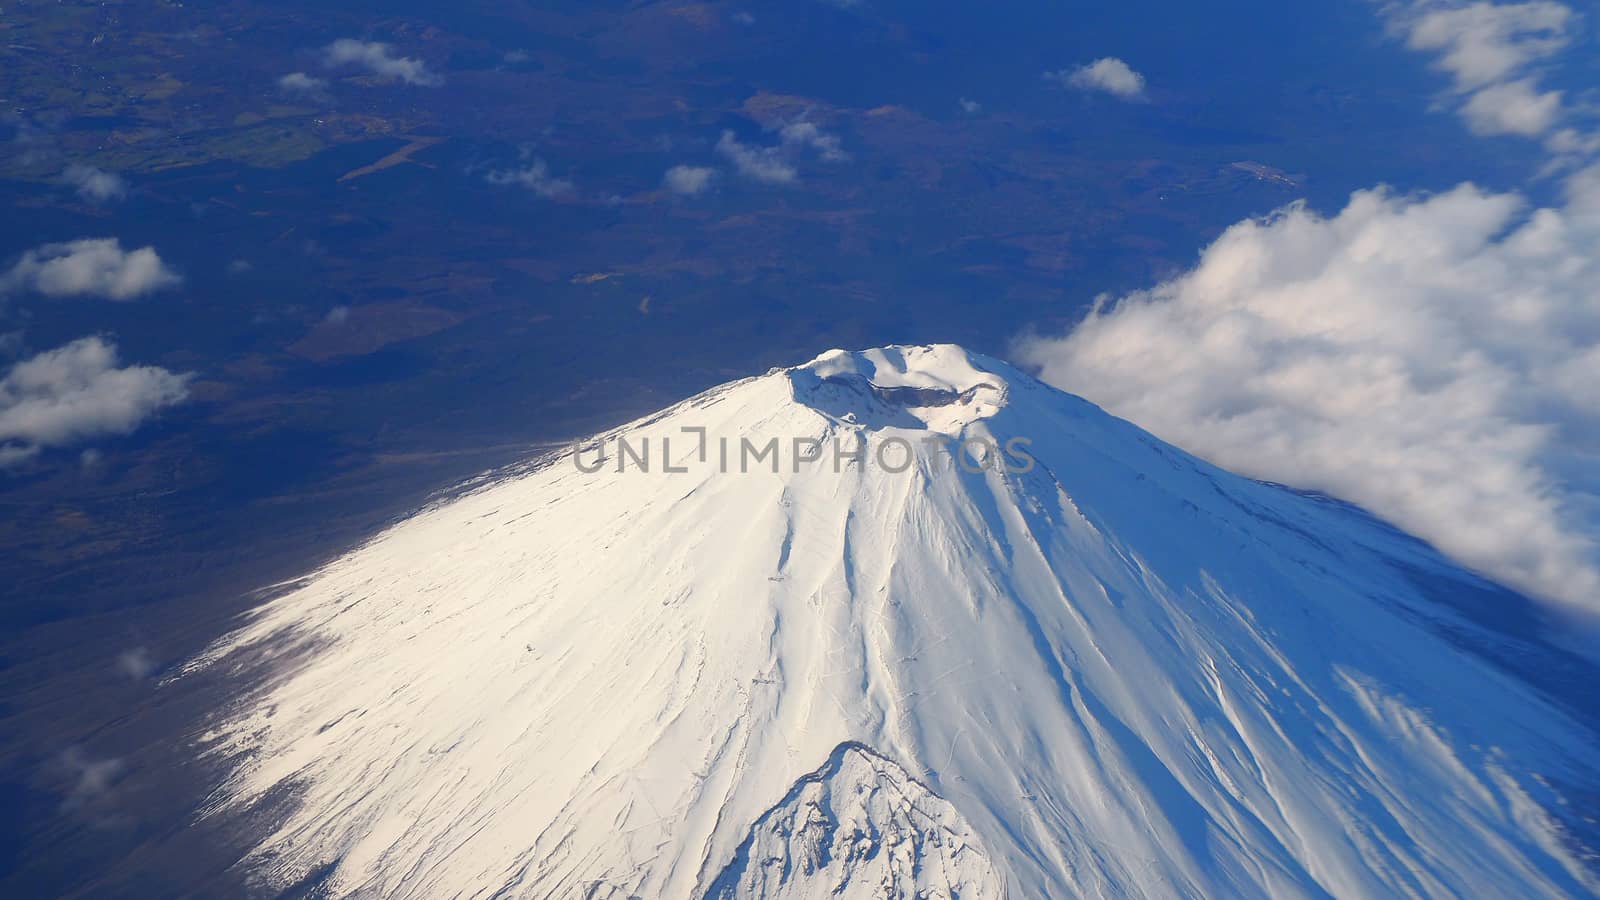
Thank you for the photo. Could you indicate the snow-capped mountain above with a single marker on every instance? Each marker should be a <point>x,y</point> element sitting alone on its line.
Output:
<point>898,623</point>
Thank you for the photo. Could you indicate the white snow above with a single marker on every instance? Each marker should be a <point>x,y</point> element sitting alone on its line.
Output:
<point>1125,672</point>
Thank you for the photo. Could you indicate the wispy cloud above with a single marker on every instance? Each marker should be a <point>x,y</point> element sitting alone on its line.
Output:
<point>777,163</point>
<point>688,181</point>
<point>533,175</point>
<point>34,141</point>
<point>1109,75</point>
<point>1515,107</point>
<point>380,60</point>
<point>89,780</point>
<point>1491,51</point>
<point>805,134</point>
<point>135,663</point>
<point>1485,43</point>
<point>95,185</point>
<point>769,164</point>
<point>76,393</point>
<point>96,267</point>
<point>1432,358</point>
<point>301,83</point>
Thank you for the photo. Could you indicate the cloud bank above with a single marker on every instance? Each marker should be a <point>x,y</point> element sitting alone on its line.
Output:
<point>1109,75</point>
<point>379,59</point>
<point>76,393</point>
<point>93,267</point>
<point>1432,358</point>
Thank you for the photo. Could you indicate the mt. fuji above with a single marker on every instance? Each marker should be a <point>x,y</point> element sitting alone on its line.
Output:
<point>900,623</point>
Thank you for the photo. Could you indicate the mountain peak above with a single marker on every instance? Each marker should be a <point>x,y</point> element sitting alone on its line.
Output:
<point>940,367</point>
<point>1120,671</point>
<point>938,387</point>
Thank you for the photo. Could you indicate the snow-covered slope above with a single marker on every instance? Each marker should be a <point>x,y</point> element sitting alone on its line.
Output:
<point>1117,671</point>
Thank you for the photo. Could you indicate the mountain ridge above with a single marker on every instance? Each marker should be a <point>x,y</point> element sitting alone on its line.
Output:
<point>831,857</point>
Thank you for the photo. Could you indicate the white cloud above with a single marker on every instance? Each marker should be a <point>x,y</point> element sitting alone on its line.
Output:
<point>776,164</point>
<point>1110,75</point>
<point>90,267</point>
<point>90,785</point>
<point>1488,50</point>
<point>95,185</point>
<point>769,164</point>
<point>534,176</point>
<point>301,83</point>
<point>1515,107</point>
<point>1484,43</point>
<point>1583,192</point>
<point>1434,359</point>
<point>808,135</point>
<point>971,107</point>
<point>78,392</point>
<point>379,59</point>
<point>1573,144</point>
<point>689,180</point>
